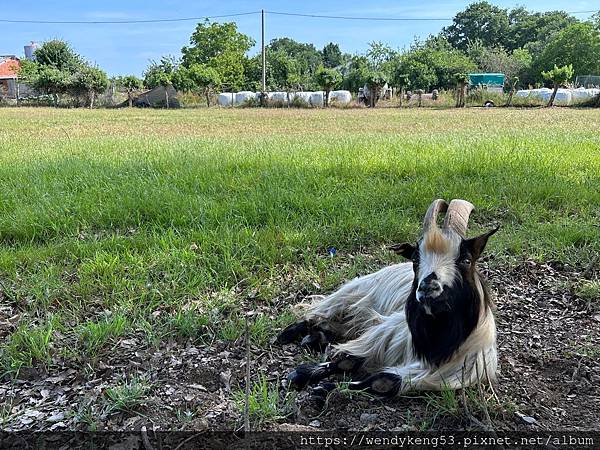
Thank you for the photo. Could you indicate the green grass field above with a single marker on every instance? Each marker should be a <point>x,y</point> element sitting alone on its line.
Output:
<point>116,221</point>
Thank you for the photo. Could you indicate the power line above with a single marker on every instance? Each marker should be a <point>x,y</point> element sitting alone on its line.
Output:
<point>321,16</point>
<point>120,22</point>
<point>279,13</point>
<point>391,19</point>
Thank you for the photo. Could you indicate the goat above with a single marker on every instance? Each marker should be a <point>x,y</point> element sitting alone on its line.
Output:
<point>421,325</point>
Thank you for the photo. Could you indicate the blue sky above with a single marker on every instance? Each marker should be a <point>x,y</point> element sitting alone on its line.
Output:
<point>124,49</point>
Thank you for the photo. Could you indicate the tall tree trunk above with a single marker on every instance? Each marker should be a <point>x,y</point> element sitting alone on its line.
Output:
<point>167,96</point>
<point>130,98</point>
<point>401,95</point>
<point>326,98</point>
<point>553,96</point>
<point>207,94</point>
<point>92,96</point>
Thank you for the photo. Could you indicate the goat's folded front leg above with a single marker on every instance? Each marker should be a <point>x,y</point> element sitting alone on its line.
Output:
<point>381,384</point>
<point>311,336</point>
<point>306,374</point>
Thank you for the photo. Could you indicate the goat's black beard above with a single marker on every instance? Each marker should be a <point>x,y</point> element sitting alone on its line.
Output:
<point>436,337</point>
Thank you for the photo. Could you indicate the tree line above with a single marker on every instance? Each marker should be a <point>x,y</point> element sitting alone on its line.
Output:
<point>526,46</point>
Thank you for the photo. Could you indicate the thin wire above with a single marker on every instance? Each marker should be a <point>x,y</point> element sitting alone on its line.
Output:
<point>119,22</point>
<point>391,19</point>
<point>320,16</point>
<point>280,13</point>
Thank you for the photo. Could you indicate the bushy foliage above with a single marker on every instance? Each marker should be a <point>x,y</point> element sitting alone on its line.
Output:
<point>157,70</point>
<point>558,76</point>
<point>198,78</point>
<point>131,84</point>
<point>516,63</point>
<point>578,46</point>
<point>327,79</point>
<point>332,55</point>
<point>58,70</point>
<point>432,64</point>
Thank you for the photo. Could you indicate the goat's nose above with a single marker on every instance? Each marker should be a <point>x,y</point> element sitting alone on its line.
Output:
<point>429,287</point>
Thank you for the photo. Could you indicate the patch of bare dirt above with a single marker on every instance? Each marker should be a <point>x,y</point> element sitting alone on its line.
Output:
<point>548,342</point>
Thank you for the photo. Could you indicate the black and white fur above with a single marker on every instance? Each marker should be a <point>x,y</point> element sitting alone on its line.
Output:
<point>421,325</point>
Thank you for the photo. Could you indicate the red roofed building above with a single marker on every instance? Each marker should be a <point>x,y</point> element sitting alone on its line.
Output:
<point>9,68</point>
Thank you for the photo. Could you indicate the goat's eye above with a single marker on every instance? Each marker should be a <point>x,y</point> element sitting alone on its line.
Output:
<point>466,261</point>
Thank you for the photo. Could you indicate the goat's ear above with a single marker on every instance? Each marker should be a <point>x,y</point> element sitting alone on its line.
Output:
<point>477,244</point>
<point>405,249</point>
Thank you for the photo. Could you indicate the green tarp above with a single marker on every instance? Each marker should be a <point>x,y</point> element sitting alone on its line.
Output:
<point>488,79</point>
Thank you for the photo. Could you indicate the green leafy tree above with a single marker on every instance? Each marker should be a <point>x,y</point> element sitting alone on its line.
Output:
<point>595,20</point>
<point>253,73</point>
<point>380,56</point>
<point>58,54</point>
<point>355,73</point>
<point>558,76</point>
<point>328,79</point>
<point>222,47</point>
<point>283,72</point>
<point>90,81</point>
<point>154,73</point>
<point>461,80</point>
<point>401,81</point>
<point>210,40</point>
<point>480,20</point>
<point>199,78</point>
<point>432,64</point>
<point>375,81</point>
<point>533,30</point>
<point>498,60</point>
<point>52,81</point>
<point>132,85</point>
<point>577,45</point>
<point>307,59</point>
<point>332,55</point>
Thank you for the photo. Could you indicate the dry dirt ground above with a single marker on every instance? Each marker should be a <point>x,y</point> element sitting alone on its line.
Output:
<point>548,342</point>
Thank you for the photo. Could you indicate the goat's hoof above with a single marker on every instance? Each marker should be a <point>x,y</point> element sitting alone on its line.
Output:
<point>381,384</point>
<point>293,333</point>
<point>316,341</point>
<point>301,376</point>
<point>320,393</point>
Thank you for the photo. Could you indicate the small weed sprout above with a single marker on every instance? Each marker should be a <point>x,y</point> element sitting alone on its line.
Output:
<point>264,403</point>
<point>128,396</point>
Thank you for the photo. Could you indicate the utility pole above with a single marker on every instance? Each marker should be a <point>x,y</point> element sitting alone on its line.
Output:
<point>264,56</point>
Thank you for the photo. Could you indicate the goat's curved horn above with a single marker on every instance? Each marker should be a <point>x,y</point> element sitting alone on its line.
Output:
<point>457,217</point>
<point>435,208</point>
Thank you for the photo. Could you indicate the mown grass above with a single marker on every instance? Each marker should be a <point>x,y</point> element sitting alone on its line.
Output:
<point>144,214</point>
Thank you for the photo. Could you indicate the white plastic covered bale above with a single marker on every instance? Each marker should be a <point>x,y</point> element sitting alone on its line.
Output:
<point>244,96</point>
<point>563,97</point>
<point>523,93</point>
<point>580,94</point>
<point>226,98</point>
<point>340,97</point>
<point>316,98</point>
<point>304,96</point>
<point>278,97</point>
<point>593,91</point>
